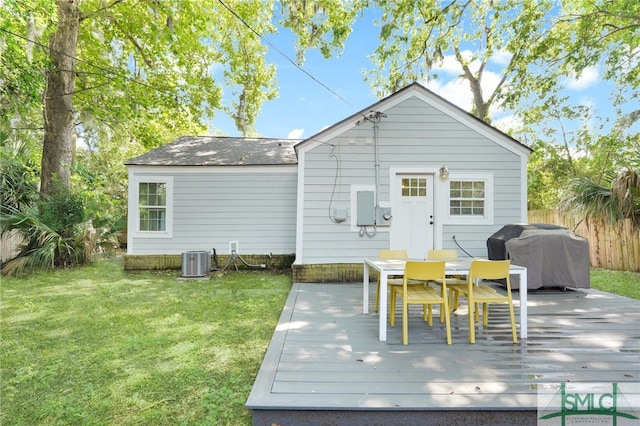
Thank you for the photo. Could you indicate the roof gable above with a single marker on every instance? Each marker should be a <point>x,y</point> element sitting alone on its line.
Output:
<point>220,151</point>
<point>426,95</point>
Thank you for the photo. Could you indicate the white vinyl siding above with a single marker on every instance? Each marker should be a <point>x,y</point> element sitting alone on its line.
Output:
<point>254,205</point>
<point>416,137</point>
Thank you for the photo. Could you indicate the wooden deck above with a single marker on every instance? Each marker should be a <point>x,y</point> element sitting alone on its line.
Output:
<point>325,364</point>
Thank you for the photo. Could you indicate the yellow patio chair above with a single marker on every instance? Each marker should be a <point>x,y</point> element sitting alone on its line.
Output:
<point>391,281</point>
<point>446,254</point>
<point>423,271</point>
<point>477,294</point>
<point>443,254</point>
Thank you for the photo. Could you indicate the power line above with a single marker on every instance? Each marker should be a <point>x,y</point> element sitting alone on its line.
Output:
<point>284,55</point>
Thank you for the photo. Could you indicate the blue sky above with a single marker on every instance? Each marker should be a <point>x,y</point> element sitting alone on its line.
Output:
<point>305,107</point>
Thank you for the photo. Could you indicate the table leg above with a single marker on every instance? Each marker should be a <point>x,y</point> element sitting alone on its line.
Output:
<point>365,286</point>
<point>523,304</point>
<point>471,313</point>
<point>383,307</point>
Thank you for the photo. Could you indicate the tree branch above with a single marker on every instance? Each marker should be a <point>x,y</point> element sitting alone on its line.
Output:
<point>133,41</point>
<point>97,11</point>
<point>615,15</point>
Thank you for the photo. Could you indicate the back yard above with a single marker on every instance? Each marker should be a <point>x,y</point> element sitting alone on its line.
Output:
<point>94,345</point>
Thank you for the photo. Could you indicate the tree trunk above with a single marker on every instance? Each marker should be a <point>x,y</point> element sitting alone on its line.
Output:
<point>59,130</point>
<point>479,107</point>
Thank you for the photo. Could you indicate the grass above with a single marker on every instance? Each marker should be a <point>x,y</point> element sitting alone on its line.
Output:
<point>95,345</point>
<point>623,283</point>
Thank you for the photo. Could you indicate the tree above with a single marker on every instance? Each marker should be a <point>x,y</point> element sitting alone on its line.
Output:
<point>155,70</point>
<point>122,77</point>
<point>59,129</point>
<point>417,37</point>
<point>21,78</point>
<point>603,35</point>
<point>591,32</point>
<point>573,142</point>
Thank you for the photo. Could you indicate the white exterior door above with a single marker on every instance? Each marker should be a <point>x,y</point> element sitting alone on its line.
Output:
<point>412,227</point>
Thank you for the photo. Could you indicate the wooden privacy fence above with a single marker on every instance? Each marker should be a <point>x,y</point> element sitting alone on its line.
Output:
<point>9,245</point>
<point>610,246</point>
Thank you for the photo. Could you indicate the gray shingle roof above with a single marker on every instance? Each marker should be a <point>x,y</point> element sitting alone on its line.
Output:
<point>220,151</point>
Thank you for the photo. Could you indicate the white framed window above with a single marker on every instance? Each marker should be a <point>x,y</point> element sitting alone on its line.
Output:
<point>154,206</point>
<point>470,199</point>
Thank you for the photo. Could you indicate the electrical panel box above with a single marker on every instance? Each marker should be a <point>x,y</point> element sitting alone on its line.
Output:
<point>366,209</point>
<point>233,247</point>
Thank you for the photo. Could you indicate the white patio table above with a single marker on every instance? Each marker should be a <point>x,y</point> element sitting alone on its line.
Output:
<point>387,267</point>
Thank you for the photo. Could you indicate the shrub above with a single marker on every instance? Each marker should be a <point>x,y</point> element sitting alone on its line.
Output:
<point>54,231</point>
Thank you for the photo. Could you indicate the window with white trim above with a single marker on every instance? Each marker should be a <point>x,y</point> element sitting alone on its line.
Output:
<point>467,198</point>
<point>152,206</point>
<point>470,199</point>
<point>153,196</point>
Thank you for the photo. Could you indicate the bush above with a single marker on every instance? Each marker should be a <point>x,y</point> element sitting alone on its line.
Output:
<point>55,232</point>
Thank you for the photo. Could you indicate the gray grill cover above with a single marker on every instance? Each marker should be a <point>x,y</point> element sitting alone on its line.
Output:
<point>553,258</point>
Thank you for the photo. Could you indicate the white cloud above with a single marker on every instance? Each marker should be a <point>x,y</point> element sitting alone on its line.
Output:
<point>508,122</point>
<point>455,91</point>
<point>458,92</point>
<point>449,65</point>
<point>501,57</point>
<point>295,134</point>
<point>587,78</point>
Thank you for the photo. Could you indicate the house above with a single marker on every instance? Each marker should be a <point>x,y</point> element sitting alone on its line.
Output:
<point>411,171</point>
<point>205,193</point>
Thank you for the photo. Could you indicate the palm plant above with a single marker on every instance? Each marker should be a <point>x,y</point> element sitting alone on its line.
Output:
<point>618,200</point>
<point>18,185</point>
<point>51,232</point>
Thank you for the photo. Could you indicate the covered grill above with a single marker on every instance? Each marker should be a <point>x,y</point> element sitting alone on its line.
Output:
<point>554,256</point>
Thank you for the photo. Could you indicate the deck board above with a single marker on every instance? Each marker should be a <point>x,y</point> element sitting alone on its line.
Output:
<point>325,357</point>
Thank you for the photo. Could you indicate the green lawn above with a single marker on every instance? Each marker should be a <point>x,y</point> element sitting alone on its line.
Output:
<point>95,345</point>
<point>624,283</point>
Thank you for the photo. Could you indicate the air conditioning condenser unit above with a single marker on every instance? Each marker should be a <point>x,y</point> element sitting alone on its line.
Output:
<point>195,263</point>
